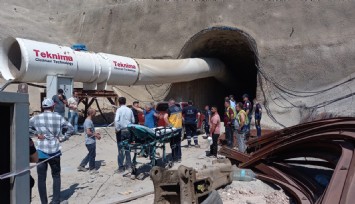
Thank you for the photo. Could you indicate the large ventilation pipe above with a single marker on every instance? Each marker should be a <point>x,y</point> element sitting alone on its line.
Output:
<point>31,61</point>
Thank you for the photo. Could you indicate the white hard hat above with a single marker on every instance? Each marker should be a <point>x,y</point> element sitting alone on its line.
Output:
<point>46,103</point>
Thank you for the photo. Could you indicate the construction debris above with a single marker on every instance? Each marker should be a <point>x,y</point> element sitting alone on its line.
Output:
<point>186,185</point>
<point>314,162</point>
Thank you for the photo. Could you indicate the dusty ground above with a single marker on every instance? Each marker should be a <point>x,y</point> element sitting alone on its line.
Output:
<point>240,192</point>
<point>107,187</point>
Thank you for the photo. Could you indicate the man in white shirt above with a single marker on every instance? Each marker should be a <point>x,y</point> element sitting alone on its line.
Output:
<point>73,111</point>
<point>232,101</point>
<point>124,116</point>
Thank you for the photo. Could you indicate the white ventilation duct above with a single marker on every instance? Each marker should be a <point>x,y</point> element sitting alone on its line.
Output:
<point>31,61</point>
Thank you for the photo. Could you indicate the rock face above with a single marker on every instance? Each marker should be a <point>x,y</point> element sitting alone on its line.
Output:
<point>283,52</point>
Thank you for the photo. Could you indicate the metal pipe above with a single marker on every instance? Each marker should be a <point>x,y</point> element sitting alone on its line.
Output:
<point>25,60</point>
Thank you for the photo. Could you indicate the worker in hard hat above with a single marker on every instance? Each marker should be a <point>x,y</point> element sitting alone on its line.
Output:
<point>48,127</point>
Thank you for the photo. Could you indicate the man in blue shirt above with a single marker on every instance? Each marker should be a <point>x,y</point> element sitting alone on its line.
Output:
<point>149,115</point>
<point>258,114</point>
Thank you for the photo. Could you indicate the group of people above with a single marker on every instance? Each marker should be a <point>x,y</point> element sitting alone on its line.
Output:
<point>50,125</point>
<point>51,128</point>
<point>237,119</point>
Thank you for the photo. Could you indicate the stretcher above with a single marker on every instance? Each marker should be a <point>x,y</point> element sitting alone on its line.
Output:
<point>145,141</point>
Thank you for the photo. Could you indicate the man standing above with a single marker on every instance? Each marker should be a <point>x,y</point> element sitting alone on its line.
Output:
<point>48,127</point>
<point>215,131</point>
<point>232,101</point>
<point>191,117</point>
<point>73,111</point>
<point>207,119</point>
<point>135,112</point>
<point>258,113</point>
<point>248,108</point>
<point>90,142</point>
<point>173,118</point>
<point>149,115</point>
<point>229,116</point>
<point>243,121</point>
<point>124,116</point>
<point>60,102</point>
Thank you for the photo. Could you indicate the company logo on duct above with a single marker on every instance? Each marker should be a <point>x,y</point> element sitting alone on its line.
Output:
<point>53,56</point>
<point>56,58</point>
<point>124,65</point>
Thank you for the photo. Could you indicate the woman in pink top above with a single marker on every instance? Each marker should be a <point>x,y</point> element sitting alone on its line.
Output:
<point>214,131</point>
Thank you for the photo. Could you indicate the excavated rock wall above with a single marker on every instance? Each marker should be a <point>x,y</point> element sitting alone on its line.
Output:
<point>301,45</point>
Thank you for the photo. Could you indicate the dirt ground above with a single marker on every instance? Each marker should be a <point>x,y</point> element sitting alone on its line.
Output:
<point>107,187</point>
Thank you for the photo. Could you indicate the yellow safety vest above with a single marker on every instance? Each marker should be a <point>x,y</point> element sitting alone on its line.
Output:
<point>245,116</point>
<point>234,113</point>
<point>175,117</point>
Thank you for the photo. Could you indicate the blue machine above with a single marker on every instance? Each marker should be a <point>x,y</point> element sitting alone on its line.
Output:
<point>79,47</point>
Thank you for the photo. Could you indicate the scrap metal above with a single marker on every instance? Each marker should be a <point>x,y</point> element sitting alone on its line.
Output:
<point>314,162</point>
<point>187,185</point>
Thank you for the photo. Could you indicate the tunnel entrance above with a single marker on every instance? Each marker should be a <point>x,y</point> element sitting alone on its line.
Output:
<point>237,50</point>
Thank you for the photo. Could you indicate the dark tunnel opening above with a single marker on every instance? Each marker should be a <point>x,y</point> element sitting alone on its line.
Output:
<point>14,54</point>
<point>237,50</point>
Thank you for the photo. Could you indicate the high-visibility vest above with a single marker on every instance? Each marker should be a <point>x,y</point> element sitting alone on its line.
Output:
<point>245,117</point>
<point>234,113</point>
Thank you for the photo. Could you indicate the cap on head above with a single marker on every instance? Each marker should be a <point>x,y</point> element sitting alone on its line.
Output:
<point>47,103</point>
<point>245,96</point>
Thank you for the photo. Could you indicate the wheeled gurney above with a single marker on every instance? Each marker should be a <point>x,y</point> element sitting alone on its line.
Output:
<point>145,141</point>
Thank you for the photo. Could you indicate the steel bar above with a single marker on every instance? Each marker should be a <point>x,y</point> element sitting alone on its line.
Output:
<point>336,185</point>
<point>276,156</point>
